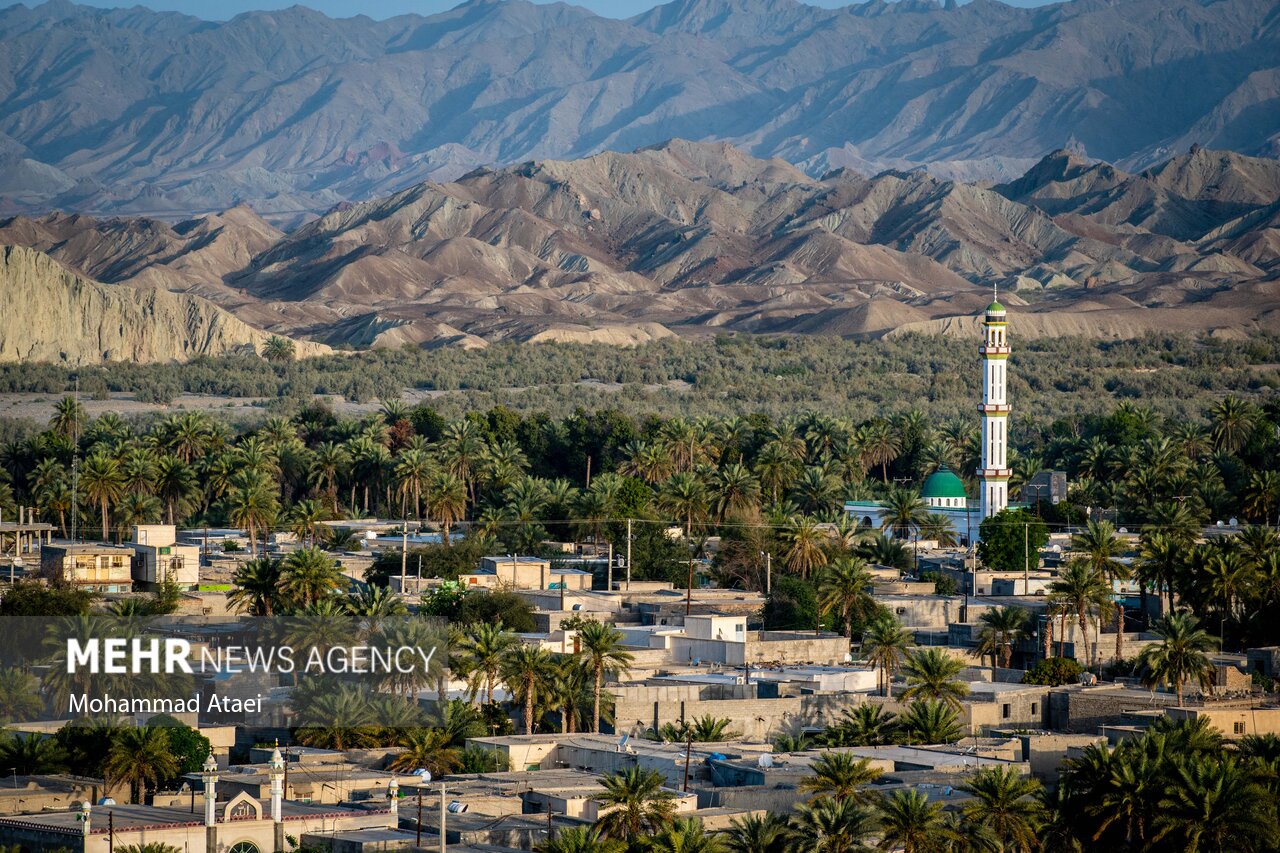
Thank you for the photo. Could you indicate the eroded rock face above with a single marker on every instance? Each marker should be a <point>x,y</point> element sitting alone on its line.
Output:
<point>52,314</point>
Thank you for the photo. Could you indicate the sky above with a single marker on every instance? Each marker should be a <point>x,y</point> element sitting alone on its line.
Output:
<point>218,10</point>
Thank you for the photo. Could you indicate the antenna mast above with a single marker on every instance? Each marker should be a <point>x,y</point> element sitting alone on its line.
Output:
<point>75,468</point>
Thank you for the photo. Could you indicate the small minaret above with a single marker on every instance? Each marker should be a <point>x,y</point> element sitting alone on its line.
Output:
<point>209,773</point>
<point>994,473</point>
<point>276,776</point>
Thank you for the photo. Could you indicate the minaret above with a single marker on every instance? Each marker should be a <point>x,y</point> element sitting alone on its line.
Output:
<point>994,473</point>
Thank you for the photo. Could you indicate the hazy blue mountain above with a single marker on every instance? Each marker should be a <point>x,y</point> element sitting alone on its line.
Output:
<point>140,112</point>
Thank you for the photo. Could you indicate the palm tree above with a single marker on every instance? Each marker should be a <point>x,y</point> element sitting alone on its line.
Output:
<point>483,647</point>
<point>102,483</point>
<point>841,775</point>
<point>430,749</point>
<point>335,719</point>
<point>327,464</point>
<point>686,835</point>
<point>884,645</point>
<point>252,504</point>
<point>1233,423</point>
<point>844,587</point>
<point>57,497</point>
<point>1160,559</point>
<point>176,486</point>
<point>704,729</point>
<point>1216,805</point>
<point>278,350</point>
<point>930,721</point>
<point>904,512</point>
<point>141,756</point>
<point>804,539</point>
<point>1179,656</point>
<point>880,446</point>
<point>910,823</point>
<point>1101,547</point>
<point>831,826</point>
<point>938,527</point>
<point>150,847</point>
<point>528,672</point>
<point>32,755</point>
<point>580,839</point>
<point>304,520</point>
<point>868,725</point>
<point>1005,803</point>
<point>68,417</point>
<point>1002,628</point>
<point>308,575</point>
<point>932,674</point>
<point>19,696</point>
<point>446,501</point>
<point>757,834</point>
<point>736,490</point>
<point>601,645</point>
<point>1081,590</point>
<point>636,804</point>
<point>257,587</point>
<point>462,448</point>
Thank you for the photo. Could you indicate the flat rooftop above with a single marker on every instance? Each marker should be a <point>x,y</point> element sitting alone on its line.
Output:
<point>133,816</point>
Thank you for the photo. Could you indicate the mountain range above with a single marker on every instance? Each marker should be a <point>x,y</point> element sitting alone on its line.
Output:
<point>137,112</point>
<point>692,238</point>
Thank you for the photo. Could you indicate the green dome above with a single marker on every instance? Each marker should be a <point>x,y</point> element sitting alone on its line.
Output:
<point>943,484</point>
<point>995,308</point>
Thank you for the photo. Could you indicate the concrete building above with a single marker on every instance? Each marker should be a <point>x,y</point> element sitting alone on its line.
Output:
<point>525,573</point>
<point>89,565</point>
<point>158,557</point>
<point>1234,723</point>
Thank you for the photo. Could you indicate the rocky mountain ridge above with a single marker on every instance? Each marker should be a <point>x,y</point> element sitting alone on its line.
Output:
<point>692,238</point>
<point>54,315</point>
<point>144,113</point>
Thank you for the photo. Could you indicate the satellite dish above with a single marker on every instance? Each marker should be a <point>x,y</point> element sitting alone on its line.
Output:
<point>765,761</point>
<point>106,801</point>
<point>456,807</point>
<point>424,774</point>
<point>577,607</point>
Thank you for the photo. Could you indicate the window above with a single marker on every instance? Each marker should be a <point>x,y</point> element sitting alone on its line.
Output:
<point>1237,728</point>
<point>1006,711</point>
<point>1035,708</point>
<point>244,847</point>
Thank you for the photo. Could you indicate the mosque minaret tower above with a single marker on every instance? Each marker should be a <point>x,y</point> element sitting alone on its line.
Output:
<point>994,473</point>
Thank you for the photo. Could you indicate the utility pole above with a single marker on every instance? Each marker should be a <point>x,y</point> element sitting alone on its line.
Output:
<point>442,812</point>
<point>768,573</point>
<point>404,552</point>
<point>417,842</point>
<point>608,579</point>
<point>628,555</point>
<point>1026,558</point>
<point>688,751</point>
<point>111,832</point>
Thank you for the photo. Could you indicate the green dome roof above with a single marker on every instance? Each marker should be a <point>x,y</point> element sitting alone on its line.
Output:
<point>943,484</point>
<point>995,308</point>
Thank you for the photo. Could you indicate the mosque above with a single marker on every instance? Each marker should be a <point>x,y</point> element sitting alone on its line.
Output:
<point>943,492</point>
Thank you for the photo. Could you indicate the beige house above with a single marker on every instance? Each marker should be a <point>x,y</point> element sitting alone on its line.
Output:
<point>92,566</point>
<point>158,557</point>
<point>1234,723</point>
<point>525,573</point>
